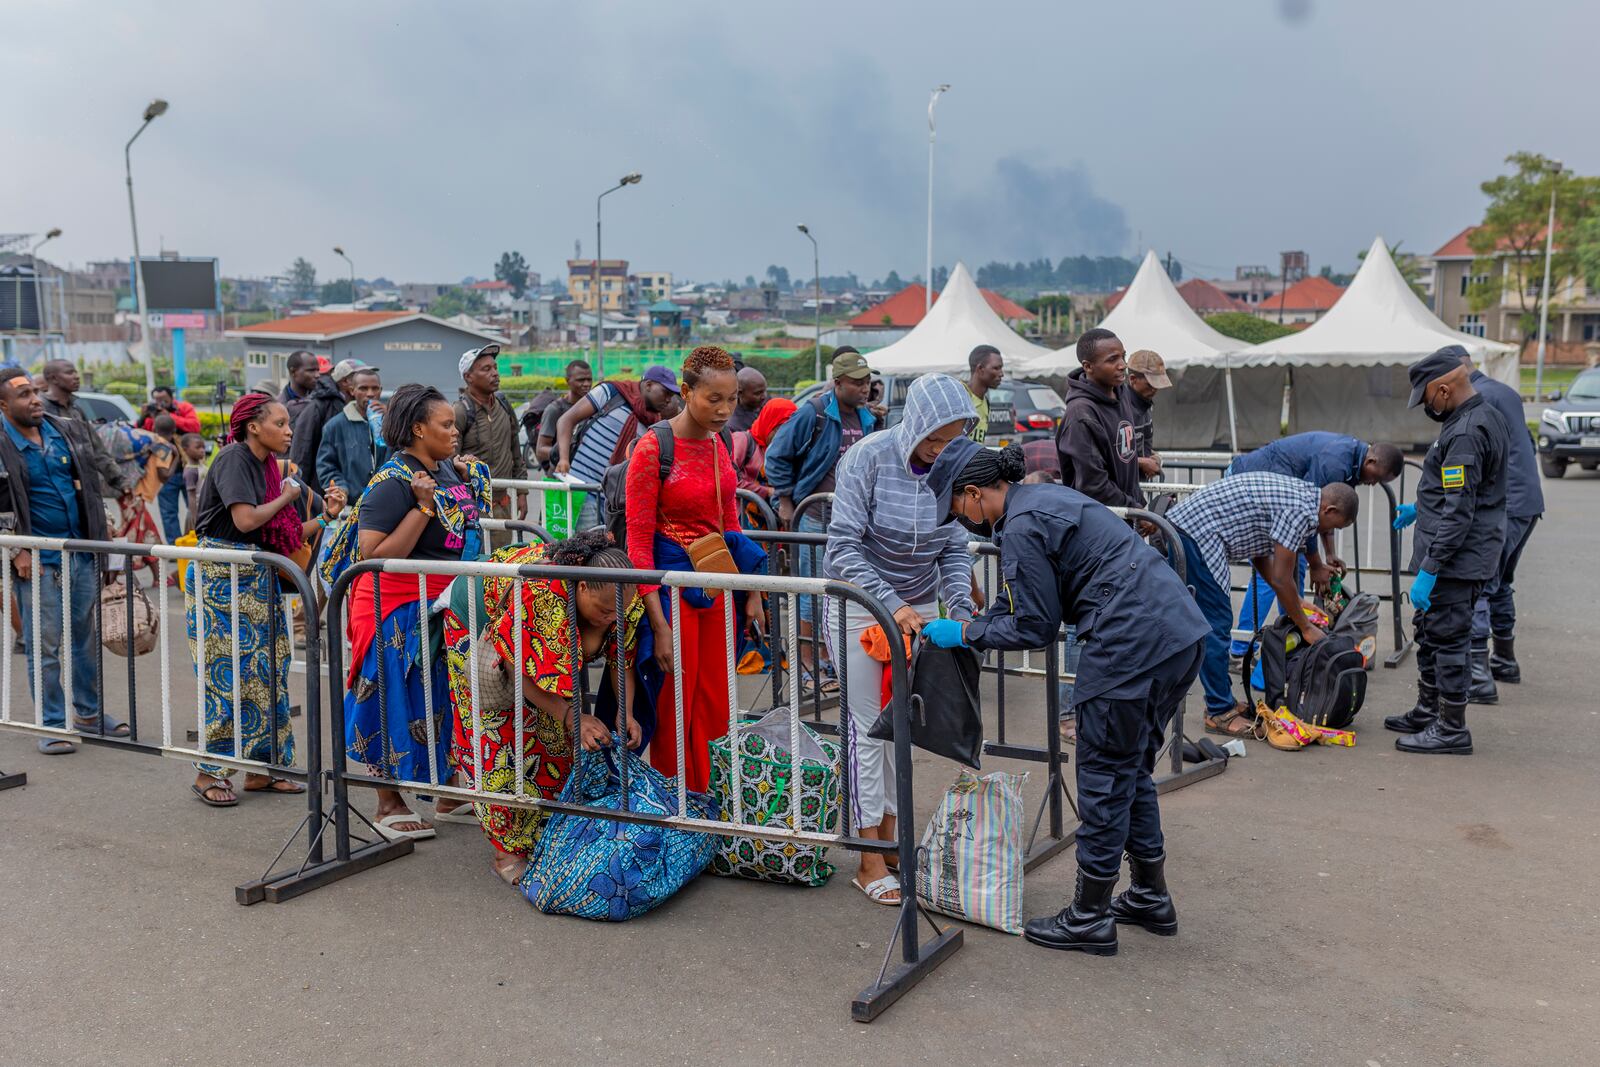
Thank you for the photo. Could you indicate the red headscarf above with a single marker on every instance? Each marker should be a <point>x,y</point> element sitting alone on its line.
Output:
<point>774,414</point>
<point>282,533</point>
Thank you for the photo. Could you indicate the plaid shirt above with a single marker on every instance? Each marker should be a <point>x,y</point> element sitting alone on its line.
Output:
<point>1243,515</point>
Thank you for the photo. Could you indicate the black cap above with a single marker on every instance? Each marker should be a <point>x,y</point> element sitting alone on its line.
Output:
<point>1432,367</point>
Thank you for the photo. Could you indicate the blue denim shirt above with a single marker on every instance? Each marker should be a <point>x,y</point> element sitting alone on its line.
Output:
<point>52,496</point>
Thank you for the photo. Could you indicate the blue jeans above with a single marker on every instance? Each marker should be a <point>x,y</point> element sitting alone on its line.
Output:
<point>167,503</point>
<point>46,584</point>
<point>1071,653</point>
<point>1260,594</point>
<point>1215,605</point>
<point>588,513</point>
<point>810,522</point>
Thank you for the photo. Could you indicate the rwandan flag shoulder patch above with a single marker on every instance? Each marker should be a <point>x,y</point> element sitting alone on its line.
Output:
<point>1453,477</point>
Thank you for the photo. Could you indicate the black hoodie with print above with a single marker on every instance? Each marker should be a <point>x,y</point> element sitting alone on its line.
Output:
<point>1099,453</point>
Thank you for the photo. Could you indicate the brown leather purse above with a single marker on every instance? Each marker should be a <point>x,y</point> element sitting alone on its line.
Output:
<point>709,553</point>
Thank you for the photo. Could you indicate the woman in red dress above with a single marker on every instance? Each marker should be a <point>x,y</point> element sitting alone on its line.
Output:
<point>664,517</point>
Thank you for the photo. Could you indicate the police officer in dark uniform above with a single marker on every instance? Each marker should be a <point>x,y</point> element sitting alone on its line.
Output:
<point>1461,527</point>
<point>1067,559</point>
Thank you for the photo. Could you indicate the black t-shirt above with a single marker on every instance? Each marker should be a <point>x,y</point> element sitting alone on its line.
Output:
<point>236,477</point>
<point>385,506</point>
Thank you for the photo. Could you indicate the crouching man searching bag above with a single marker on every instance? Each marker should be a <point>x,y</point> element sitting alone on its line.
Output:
<point>1065,558</point>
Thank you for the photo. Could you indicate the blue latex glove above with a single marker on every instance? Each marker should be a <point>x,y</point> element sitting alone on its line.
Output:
<point>945,633</point>
<point>1422,590</point>
<point>1404,516</point>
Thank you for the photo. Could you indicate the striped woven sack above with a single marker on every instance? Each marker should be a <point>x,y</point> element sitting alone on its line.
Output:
<point>970,863</point>
<point>612,871</point>
<point>764,785</point>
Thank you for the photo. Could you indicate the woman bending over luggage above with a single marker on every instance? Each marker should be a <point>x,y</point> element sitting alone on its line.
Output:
<point>892,535</point>
<point>422,505</point>
<point>549,666</point>
<point>684,518</point>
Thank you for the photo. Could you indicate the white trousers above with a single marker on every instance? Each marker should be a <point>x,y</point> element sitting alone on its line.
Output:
<point>871,770</point>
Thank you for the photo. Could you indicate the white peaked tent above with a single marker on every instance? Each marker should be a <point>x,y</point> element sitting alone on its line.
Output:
<point>1200,410</point>
<point>1349,367</point>
<point>960,320</point>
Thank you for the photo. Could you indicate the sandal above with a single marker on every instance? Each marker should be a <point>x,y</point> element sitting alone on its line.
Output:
<point>221,785</point>
<point>511,873</point>
<point>389,827</point>
<point>56,746</point>
<point>277,785</point>
<point>878,891</point>
<point>1237,721</point>
<point>113,728</point>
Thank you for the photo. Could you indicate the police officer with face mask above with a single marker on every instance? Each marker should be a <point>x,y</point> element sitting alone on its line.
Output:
<point>1066,558</point>
<point>1461,526</point>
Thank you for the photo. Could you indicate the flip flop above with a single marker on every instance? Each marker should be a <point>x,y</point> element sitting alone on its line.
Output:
<point>92,726</point>
<point>273,785</point>
<point>221,783</point>
<point>386,827</point>
<point>56,746</point>
<point>878,891</point>
<point>464,815</point>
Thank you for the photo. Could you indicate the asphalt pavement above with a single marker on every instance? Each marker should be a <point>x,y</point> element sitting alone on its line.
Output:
<point>1338,906</point>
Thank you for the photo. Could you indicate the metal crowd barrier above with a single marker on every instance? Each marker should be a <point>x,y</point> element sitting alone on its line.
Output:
<point>170,744</point>
<point>917,957</point>
<point>533,490</point>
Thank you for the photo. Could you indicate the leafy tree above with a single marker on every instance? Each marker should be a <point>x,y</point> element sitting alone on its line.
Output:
<point>1511,237</point>
<point>1587,251</point>
<point>303,279</point>
<point>941,276</point>
<point>1410,268</point>
<point>337,291</point>
<point>779,276</point>
<point>749,282</point>
<point>1341,280</point>
<point>513,268</point>
<point>457,301</point>
<point>1243,326</point>
<point>893,282</point>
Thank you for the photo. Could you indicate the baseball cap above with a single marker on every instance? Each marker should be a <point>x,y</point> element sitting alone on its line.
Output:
<point>324,364</point>
<point>662,376</point>
<point>346,367</point>
<point>1151,366</point>
<point>849,364</point>
<point>1432,367</point>
<point>470,356</point>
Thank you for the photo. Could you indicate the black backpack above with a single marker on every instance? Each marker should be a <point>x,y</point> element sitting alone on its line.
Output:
<point>614,486</point>
<point>1323,684</point>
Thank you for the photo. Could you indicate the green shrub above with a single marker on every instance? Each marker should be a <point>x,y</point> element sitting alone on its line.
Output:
<point>1243,326</point>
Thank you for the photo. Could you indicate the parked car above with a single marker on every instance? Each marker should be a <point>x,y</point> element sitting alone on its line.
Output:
<point>1035,406</point>
<point>107,407</point>
<point>892,389</point>
<point>1569,429</point>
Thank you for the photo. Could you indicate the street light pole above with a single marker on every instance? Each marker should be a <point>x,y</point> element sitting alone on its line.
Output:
<point>154,110</point>
<point>599,296</point>
<point>816,278</point>
<point>927,277</point>
<point>1544,293</point>
<point>338,250</point>
<point>38,294</point>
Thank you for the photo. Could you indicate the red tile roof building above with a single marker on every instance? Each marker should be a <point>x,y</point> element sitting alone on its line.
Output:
<point>1307,300</point>
<point>1204,297</point>
<point>905,309</point>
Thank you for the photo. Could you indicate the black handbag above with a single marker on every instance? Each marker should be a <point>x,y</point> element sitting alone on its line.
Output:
<point>944,710</point>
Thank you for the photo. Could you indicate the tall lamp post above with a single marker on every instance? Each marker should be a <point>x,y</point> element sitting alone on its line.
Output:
<point>38,293</point>
<point>154,110</point>
<point>1544,293</point>
<point>599,296</point>
<point>927,277</point>
<point>339,251</point>
<point>816,278</point>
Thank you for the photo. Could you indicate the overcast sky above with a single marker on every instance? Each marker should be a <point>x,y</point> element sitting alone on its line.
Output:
<point>429,137</point>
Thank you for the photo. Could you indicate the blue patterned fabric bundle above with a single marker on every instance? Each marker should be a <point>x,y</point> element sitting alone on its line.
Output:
<point>613,871</point>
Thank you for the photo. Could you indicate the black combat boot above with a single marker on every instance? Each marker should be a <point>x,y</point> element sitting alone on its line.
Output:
<point>1146,901</point>
<point>1086,924</point>
<point>1503,664</point>
<point>1418,718</point>
<point>1446,736</point>
<point>1481,689</point>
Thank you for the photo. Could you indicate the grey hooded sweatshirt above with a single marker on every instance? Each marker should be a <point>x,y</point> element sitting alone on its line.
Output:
<point>891,533</point>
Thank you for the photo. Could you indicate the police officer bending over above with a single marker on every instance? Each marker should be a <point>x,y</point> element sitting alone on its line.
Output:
<point>1067,559</point>
<point>1461,527</point>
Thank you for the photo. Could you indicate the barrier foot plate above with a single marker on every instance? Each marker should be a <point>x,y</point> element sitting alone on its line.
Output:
<point>12,781</point>
<point>898,980</point>
<point>278,888</point>
<point>1398,656</point>
<point>1191,774</point>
